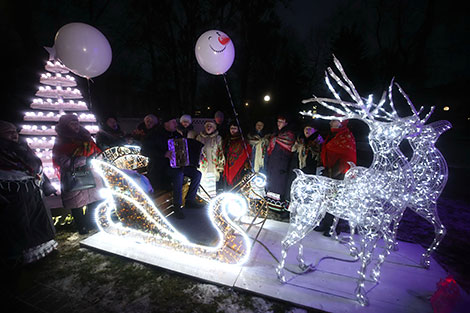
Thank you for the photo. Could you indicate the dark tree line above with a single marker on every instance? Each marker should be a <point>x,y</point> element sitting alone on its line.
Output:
<point>154,67</point>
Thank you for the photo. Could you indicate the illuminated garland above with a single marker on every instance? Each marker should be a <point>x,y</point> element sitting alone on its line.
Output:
<point>370,199</point>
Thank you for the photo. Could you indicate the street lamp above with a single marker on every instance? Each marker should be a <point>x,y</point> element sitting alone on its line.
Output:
<point>267,98</point>
<point>446,108</point>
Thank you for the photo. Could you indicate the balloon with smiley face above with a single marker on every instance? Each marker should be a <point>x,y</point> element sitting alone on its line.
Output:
<point>215,52</point>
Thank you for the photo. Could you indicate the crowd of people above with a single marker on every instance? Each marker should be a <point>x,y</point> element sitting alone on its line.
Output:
<point>219,157</point>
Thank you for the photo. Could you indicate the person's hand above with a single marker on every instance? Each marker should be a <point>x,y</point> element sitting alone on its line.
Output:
<point>169,154</point>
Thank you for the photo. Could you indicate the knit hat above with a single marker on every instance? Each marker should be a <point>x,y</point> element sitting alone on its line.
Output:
<point>212,123</point>
<point>6,127</point>
<point>166,116</point>
<point>186,117</point>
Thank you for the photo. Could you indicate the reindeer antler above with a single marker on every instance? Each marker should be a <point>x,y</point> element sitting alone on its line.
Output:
<point>407,98</point>
<point>357,108</point>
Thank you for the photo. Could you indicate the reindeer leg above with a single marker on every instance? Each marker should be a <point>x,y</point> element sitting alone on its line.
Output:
<point>351,243</point>
<point>285,245</point>
<point>332,230</point>
<point>439,231</point>
<point>368,243</point>
<point>396,223</point>
<point>294,235</point>
<point>300,257</point>
<point>389,242</point>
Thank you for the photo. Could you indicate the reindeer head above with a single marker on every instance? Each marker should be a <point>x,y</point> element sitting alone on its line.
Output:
<point>386,127</point>
<point>429,135</point>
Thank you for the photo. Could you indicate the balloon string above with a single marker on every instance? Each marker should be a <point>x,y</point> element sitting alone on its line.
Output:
<point>89,93</point>
<point>238,122</point>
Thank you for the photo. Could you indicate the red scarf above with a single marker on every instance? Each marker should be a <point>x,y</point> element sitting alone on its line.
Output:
<point>285,139</point>
<point>235,157</point>
<point>339,146</point>
<point>75,149</point>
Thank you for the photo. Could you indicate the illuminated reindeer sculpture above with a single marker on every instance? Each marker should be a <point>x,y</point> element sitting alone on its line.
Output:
<point>430,176</point>
<point>371,199</point>
<point>430,173</point>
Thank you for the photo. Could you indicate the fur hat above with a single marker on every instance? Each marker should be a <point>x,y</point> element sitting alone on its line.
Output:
<point>186,117</point>
<point>212,123</point>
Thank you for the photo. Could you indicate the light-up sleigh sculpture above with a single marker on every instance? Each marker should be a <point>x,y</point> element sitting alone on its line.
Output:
<point>129,213</point>
<point>371,199</point>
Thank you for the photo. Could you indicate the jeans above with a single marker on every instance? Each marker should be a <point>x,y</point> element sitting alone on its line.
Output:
<point>176,176</point>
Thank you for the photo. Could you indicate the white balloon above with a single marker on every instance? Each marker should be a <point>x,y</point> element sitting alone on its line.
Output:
<point>215,52</point>
<point>83,49</point>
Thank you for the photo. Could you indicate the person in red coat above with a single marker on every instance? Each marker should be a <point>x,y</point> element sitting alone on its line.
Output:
<point>338,149</point>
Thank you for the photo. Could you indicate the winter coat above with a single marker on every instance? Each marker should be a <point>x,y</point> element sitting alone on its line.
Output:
<point>338,149</point>
<point>278,162</point>
<point>212,157</point>
<point>154,146</point>
<point>81,151</point>
<point>307,151</point>
<point>26,226</point>
<point>108,137</point>
<point>186,132</point>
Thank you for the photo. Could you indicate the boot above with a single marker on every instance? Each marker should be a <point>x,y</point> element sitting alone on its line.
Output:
<point>178,213</point>
<point>80,221</point>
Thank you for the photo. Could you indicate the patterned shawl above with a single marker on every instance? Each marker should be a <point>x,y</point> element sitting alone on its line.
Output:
<point>339,148</point>
<point>285,139</point>
<point>235,156</point>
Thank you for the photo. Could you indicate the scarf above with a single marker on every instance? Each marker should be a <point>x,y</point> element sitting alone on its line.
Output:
<point>339,148</point>
<point>308,147</point>
<point>236,156</point>
<point>258,142</point>
<point>285,139</point>
<point>75,149</point>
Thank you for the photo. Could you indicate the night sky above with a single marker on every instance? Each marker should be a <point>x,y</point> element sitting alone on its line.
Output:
<point>281,48</point>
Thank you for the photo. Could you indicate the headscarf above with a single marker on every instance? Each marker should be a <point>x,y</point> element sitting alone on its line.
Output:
<point>6,127</point>
<point>71,143</point>
<point>17,155</point>
<point>64,131</point>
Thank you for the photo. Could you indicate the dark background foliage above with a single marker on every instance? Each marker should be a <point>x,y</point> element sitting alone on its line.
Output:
<point>282,48</point>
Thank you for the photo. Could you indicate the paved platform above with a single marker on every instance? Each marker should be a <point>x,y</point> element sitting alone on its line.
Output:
<point>404,285</point>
